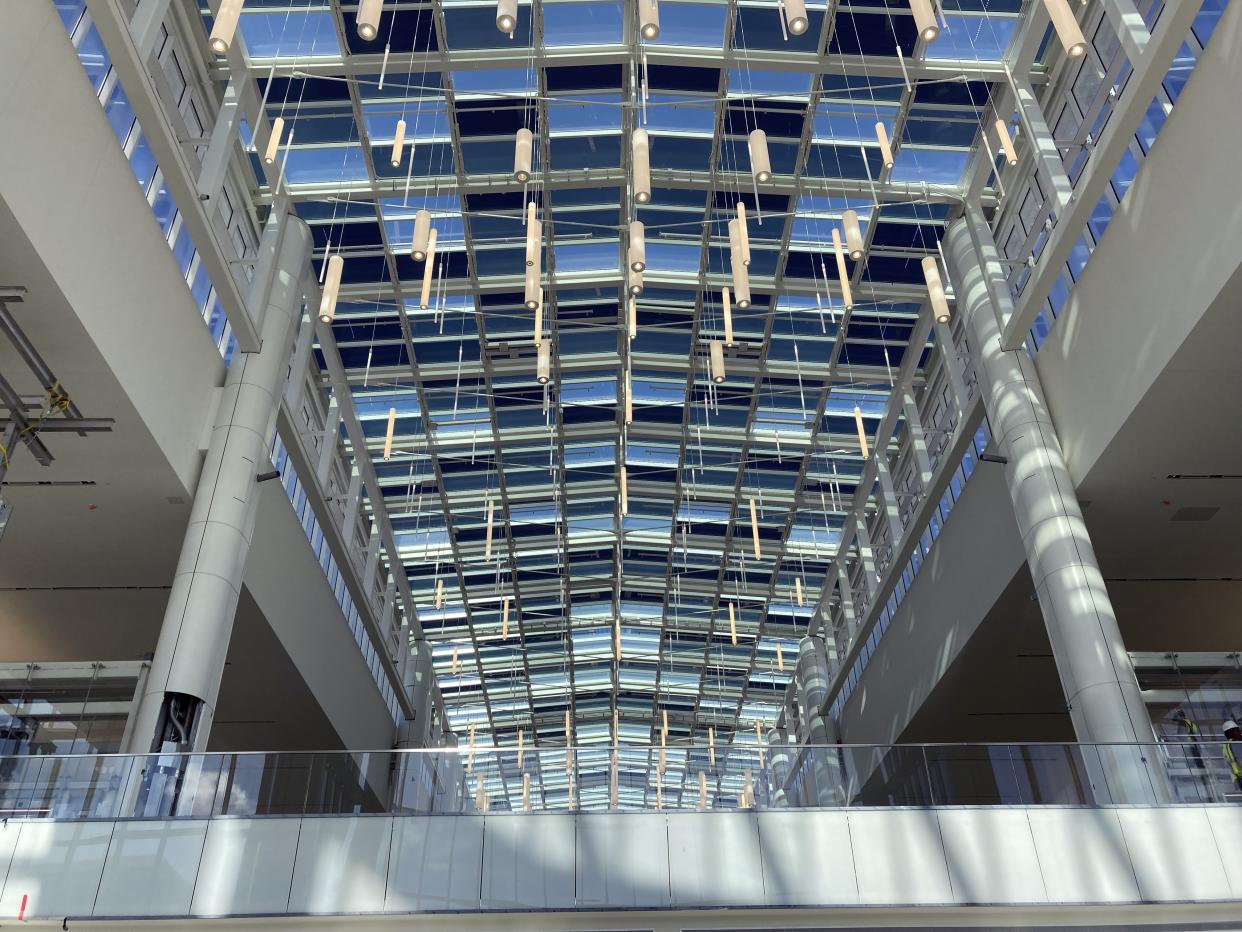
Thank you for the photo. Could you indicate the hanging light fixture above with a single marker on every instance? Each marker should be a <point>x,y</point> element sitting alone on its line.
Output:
<point>367,21</point>
<point>625,491</point>
<point>711,745</point>
<point>523,153</point>
<point>456,665</point>
<point>439,589</point>
<point>224,26</point>
<point>331,288</point>
<point>1068,30</point>
<point>847,293</point>
<point>487,540</point>
<point>470,747</point>
<point>925,19</point>
<point>640,161</point>
<point>539,320</point>
<point>634,282</point>
<point>638,246</point>
<point>862,432</point>
<point>422,231</point>
<point>520,748</point>
<point>759,731</point>
<point>754,530</point>
<point>616,639</point>
<point>1006,143</point>
<point>397,142</point>
<point>504,620</point>
<point>760,163</point>
<point>886,148</point>
<point>732,625</point>
<point>663,725</point>
<point>935,289</point>
<point>780,664</point>
<point>798,590</point>
<point>632,313</point>
<point>506,16</point>
<point>543,363</point>
<point>429,268</point>
<point>392,424</point>
<point>715,352</point>
<point>629,398</point>
<point>534,235</point>
<point>612,781</point>
<point>741,284</point>
<point>525,791</point>
<point>743,233</point>
<point>853,234</point>
<point>702,790</point>
<point>795,17</point>
<point>532,287</point>
<point>728,315</point>
<point>273,141</point>
<point>649,19</point>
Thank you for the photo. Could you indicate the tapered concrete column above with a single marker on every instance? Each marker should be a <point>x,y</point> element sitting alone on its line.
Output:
<point>1099,682</point>
<point>179,702</point>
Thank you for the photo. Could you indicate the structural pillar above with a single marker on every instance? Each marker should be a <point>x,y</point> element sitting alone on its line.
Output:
<point>178,705</point>
<point>811,680</point>
<point>1100,686</point>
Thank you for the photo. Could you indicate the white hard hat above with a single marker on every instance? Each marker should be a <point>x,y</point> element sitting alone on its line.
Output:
<point>1229,725</point>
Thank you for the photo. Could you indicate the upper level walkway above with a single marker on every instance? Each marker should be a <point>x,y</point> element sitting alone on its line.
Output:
<point>1002,834</point>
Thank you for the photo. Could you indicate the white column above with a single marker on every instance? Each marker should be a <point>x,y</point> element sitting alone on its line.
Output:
<point>180,697</point>
<point>820,780</point>
<point>1100,686</point>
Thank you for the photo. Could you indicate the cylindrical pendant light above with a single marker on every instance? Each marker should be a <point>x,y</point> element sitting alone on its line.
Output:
<point>862,432</point>
<point>456,664</point>
<point>795,17</point>
<point>422,230</point>
<point>525,791</point>
<point>625,491</point>
<point>523,153</point>
<point>663,725</point>
<point>735,242</point>
<point>331,288</point>
<point>741,285</point>
<point>539,320</point>
<point>732,626</point>
<point>632,313</point>
<point>760,163</point>
<point>754,530</point>
<point>925,19</point>
<point>780,658</point>
<point>224,26</point>
<point>638,246</point>
<point>728,315</point>
<point>534,238</point>
<point>798,590</point>
<point>367,22</point>
<point>506,15</point>
<point>702,790</point>
<point>847,293</point>
<point>660,793</point>
<point>487,540</point>
<point>397,142</point>
<point>543,363</point>
<point>429,268</point>
<point>568,729</point>
<point>711,745</point>
<point>629,398</point>
<point>1006,142</point>
<point>743,233</point>
<point>635,282</point>
<point>273,141</point>
<point>759,733</point>
<point>388,432</point>
<point>532,287</point>
<point>439,582</point>
<point>480,794</point>
<point>640,161</point>
<point>504,619</point>
<point>649,19</point>
<point>715,352</point>
<point>886,148</point>
<point>612,781</point>
<point>521,748</point>
<point>853,234</point>
<point>935,289</point>
<point>1068,30</point>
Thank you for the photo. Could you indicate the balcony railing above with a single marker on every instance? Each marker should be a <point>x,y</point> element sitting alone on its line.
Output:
<point>601,777</point>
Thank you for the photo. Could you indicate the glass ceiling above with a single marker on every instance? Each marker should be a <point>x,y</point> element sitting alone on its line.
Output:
<point>475,427</point>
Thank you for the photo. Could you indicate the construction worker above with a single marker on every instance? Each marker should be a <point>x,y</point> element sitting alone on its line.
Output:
<point>1191,731</point>
<point>1233,750</point>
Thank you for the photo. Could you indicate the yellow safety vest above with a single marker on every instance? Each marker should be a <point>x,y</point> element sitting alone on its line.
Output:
<point>1234,766</point>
